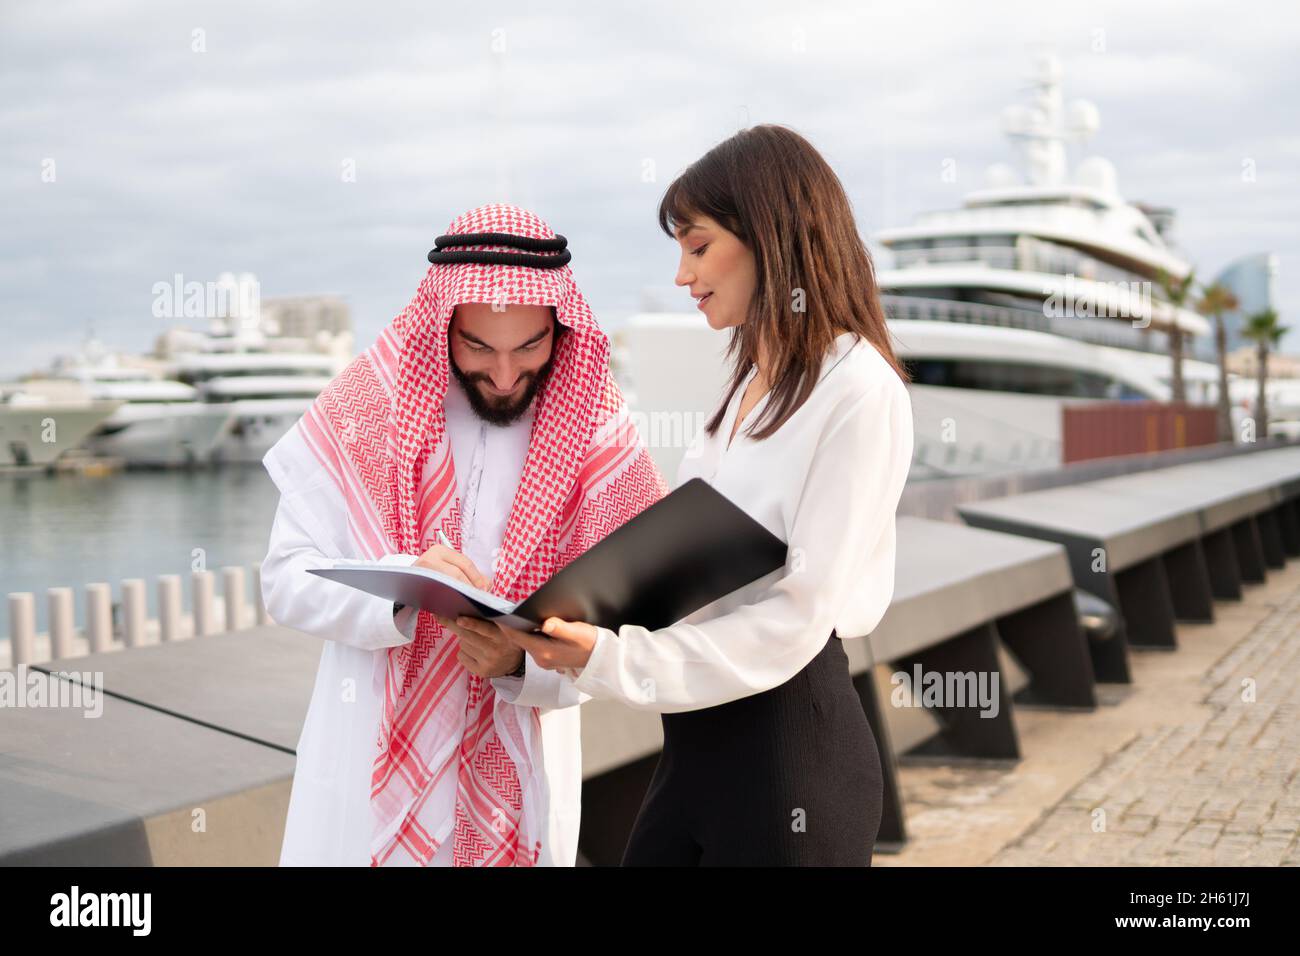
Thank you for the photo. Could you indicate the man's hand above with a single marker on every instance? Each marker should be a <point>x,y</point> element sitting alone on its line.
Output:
<point>487,655</point>
<point>453,564</point>
<point>484,651</point>
<point>563,645</point>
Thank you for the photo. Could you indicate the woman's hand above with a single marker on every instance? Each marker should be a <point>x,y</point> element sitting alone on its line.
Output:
<point>566,646</point>
<point>483,651</point>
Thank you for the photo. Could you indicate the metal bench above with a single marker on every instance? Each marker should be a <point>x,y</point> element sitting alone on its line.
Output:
<point>958,593</point>
<point>1161,545</point>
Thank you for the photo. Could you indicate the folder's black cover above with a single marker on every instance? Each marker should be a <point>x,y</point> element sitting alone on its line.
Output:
<point>685,551</point>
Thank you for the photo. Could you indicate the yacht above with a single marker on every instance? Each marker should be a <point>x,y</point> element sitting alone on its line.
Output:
<point>1041,290</point>
<point>160,422</point>
<point>246,366</point>
<point>263,392</point>
<point>42,419</point>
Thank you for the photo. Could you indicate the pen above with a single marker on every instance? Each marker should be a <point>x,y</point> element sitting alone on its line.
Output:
<point>442,540</point>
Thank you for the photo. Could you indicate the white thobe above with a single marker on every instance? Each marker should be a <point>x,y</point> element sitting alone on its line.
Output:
<point>329,821</point>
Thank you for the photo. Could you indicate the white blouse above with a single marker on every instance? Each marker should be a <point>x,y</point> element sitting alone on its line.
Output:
<point>827,482</point>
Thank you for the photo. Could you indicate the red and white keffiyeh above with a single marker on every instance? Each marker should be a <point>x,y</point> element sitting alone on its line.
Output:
<point>450,763</point>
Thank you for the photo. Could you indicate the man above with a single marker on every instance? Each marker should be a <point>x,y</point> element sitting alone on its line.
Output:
<point>483,436</point>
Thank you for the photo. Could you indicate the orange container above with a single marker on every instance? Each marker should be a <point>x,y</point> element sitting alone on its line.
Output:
<point>1106,429</point>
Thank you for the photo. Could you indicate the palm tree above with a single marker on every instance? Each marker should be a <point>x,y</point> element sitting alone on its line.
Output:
<point>1263,329</point>
<point>1176,292</point>
<point>1215,300</point>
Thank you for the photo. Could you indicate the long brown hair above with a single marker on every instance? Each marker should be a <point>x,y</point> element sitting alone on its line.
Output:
<point>776,193</point>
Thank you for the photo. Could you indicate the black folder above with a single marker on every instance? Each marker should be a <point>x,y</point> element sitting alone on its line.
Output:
<point>685,551</point>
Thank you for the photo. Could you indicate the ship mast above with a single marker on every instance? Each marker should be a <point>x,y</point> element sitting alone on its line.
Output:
<point>1040,131</point>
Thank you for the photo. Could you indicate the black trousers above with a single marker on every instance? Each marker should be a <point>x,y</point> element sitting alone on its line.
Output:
<point>787,777</point>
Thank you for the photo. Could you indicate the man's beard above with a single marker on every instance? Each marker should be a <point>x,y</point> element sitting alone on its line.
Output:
<point>497,409</point>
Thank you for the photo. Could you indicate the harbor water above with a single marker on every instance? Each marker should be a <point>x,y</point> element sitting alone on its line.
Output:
<point>68,530</point>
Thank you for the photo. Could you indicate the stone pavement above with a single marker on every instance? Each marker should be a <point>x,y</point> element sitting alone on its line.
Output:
<point>1196,763</point>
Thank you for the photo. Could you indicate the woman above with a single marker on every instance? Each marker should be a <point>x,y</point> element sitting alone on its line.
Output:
<point>768,757</point>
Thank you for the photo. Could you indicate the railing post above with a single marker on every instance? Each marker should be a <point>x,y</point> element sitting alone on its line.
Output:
<point>232,590</point>
<point>22,627</point>
<point>169,608</point>
<point>259,605</point>
<point>62,623</point>
<point>203,583</point>
<point>134,612</point>
<point>99,617</point>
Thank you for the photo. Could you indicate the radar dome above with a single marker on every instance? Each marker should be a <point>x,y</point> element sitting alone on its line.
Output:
<point>1097,173</point>
<point>1083,117</point>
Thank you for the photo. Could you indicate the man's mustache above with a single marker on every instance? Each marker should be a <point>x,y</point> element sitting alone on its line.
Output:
<point>523,379</point>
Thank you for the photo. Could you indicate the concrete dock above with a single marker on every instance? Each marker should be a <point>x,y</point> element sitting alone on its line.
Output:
<point>1174,769</point>
<point>1188,754</point>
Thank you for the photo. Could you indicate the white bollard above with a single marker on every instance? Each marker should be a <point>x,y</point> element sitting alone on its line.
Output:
<point>258,604</point>
<point>62,623</point>
<point>22,627</point>
<point>169,607</point>
<point>99,617</point>
<point>135,612</point>
<point>232,589</point>
<point>203,584</point>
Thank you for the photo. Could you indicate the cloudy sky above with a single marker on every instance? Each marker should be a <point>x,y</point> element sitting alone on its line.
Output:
<point>142,140</point>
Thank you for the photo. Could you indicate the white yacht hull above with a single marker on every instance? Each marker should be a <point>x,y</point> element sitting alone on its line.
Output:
<point>37,434</point>
<point>256,425</point>
<point>970,431</point>
<point>162,434</point>
<point>674,370</point>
